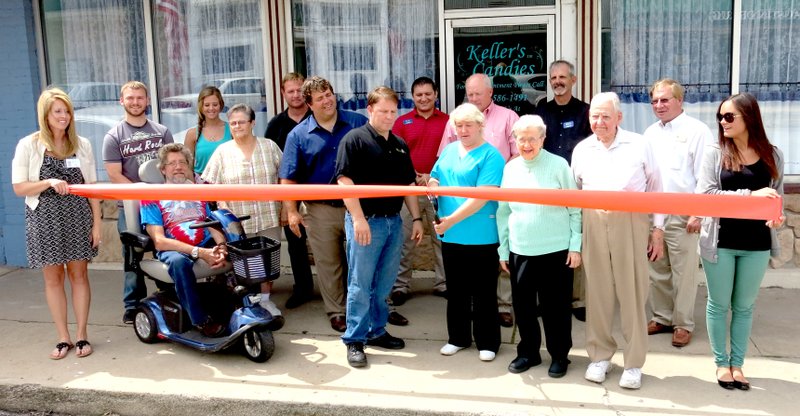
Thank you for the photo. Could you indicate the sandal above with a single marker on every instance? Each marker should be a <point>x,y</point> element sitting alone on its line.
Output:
<point>81,348</point>
<point>62,348</point>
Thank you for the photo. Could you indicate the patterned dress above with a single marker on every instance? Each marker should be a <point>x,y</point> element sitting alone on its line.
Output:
<point>58,230</point>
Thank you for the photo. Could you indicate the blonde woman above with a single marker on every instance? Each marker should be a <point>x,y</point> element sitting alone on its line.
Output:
<point>62,230</point>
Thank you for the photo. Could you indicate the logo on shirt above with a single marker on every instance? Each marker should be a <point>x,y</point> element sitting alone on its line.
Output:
<point>568,124</point>
<point>407,122</point>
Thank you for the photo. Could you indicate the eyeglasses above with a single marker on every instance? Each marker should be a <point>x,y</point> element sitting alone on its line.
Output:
<point>728,117</point>
<point>661,101</point>
<point>175,163</point>
<point>238,123</point>
<point>531,140</point>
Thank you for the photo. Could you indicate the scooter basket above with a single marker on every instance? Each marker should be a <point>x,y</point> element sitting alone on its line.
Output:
<point>256,259</point>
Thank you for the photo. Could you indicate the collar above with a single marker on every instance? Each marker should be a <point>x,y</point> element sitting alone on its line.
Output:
<point>436,113</point>
<point>675,122</point>
<point>621,138</point>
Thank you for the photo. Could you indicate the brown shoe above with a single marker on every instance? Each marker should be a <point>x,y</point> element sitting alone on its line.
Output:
<point>681,337</point>
<point>338,323</point>
<point>654,327</point>
<point>506,320</point>
<point>396,319</point>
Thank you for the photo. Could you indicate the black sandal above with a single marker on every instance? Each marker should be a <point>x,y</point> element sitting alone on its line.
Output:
<point>80,345</point>
<point>61,346</point>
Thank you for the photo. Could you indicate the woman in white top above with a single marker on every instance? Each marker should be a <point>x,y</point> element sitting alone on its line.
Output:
<point>62,230</point>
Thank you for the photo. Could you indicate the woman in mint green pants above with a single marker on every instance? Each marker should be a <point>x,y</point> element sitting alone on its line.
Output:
<point>736,252</point>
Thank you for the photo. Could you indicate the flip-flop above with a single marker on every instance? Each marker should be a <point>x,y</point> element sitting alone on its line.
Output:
<point>80,346</point>
<point>61,346</point>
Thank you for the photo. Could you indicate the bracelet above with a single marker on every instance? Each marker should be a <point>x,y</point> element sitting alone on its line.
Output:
<point>417,219</point>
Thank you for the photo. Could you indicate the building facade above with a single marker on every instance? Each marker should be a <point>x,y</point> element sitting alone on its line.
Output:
<point>91,47</point>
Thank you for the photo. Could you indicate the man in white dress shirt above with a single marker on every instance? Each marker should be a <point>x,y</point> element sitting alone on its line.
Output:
<point>616,245</point>
<point>678,141</point>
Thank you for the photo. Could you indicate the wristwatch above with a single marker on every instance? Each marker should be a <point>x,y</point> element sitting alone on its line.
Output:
<point>195,252</point>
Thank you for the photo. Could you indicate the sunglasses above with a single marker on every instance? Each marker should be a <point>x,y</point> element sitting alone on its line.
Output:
<point>728,117</point>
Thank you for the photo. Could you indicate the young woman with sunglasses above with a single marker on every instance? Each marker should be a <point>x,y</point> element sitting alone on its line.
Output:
<point>736,252</point>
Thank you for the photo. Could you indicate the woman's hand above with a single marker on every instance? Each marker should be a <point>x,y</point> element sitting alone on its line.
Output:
<point>61,187</point>
<point>443,225</point>
<point>767,192</point>
<point>573,259</point>
<point>504,266</point>
<point>776,223</point>
<point>94,237</point>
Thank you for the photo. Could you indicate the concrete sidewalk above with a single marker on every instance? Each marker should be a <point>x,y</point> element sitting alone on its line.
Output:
<point>309,374</point>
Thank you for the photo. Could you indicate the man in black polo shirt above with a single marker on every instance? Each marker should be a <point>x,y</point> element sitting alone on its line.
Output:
<point>372,155</point>
<point>567,121</point>
<point>277,129</point>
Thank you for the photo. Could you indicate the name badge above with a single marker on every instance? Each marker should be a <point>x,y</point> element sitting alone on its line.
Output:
<point>72,162</point>
<point>407,122</point>
<point>568,124</point>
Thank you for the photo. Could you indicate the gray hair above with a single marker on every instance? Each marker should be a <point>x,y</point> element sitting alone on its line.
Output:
<point>563,62</point>
<point>603,97</point>
<point>467,112</point>
<point>527,122</point>
<point>165,150</point>
<point>483,77</point>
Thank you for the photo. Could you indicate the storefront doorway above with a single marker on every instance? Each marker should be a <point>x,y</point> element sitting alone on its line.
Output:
<point>513,51</point>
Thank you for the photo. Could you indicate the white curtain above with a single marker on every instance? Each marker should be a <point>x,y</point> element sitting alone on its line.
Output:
<point>201,42</point>
<point>690,41</point>
<point>358,45</point>
<point>770,69</point>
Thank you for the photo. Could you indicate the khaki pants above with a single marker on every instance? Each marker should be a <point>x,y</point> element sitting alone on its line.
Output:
<point>325,230</point>
<point>673,278</point>
<point>403,282</point>
<point>615,259</point>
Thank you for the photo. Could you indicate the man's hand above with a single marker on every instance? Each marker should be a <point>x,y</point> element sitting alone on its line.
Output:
<point>693,225</point>
<point>655,245</point>
<point>362,232</point>
<point>295,219</point>
<point>422,179</point>
<point>214,257</point>
<point>417,231</point>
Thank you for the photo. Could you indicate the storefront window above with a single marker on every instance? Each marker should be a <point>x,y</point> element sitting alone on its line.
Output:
<point>770,69</point>
<point>358,45</point>
<point>646,40</point>
<point>92,48</point>
<point>201,42</point>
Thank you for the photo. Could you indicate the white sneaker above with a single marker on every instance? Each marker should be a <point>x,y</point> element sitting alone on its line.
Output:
<point>450,349</point>
<point>597,371</point>
<point>631,378</point>
<point>271,307</point>
<point>486,355</point>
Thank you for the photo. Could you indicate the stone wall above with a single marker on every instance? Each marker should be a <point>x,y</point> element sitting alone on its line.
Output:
<point>789,234</point>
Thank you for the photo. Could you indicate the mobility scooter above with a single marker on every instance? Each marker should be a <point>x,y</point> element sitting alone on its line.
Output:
<point>230,294</point>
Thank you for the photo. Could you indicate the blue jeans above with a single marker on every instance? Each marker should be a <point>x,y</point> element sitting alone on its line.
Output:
<point>733,285</point>
<point>134,288</point>
<point>180,269</point>
<point>371,275</point>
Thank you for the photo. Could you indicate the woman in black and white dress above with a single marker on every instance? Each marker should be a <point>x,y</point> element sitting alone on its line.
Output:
<point>62,230</point>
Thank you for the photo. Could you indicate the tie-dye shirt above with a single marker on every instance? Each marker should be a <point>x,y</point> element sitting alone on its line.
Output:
<point>176,217</point>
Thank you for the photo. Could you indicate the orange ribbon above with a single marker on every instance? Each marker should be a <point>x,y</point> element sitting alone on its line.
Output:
<point>725,206</point>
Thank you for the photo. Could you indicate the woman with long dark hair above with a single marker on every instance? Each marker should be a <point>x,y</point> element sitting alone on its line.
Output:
<point>210,132</point>
<point>736,252</point>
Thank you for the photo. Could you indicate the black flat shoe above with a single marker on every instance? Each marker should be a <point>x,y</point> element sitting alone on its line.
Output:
<point>741,385</point>
<point>523,364</point>
<point>727,385</point>
<point>387,341</point>
<point>558,368</point>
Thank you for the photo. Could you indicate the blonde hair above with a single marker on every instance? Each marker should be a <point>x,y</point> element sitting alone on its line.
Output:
<point>46,100</point>
<point>467,112</point>
<point>134,85</point>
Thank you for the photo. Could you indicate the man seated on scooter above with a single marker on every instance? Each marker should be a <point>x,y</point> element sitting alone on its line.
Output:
<point>167,223</point>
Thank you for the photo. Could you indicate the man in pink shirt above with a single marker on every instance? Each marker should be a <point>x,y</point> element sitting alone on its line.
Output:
<point>497,131</point>
<point>422,130</point>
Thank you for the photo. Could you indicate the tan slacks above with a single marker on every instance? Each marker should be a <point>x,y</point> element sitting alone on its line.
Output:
<point>615,260</point>
<point>325,230</point>
<point>673,278</point>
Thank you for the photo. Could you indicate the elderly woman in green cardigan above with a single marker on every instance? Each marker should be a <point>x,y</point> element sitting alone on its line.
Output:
<point>539,247</point>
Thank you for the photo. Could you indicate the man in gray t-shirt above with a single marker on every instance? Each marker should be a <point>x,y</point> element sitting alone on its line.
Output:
<point>132,142</point>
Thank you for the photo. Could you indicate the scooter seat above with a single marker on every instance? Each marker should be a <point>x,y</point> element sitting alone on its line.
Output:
<point>202,271</point>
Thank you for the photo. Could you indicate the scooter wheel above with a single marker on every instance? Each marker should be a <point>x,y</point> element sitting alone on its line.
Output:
<point>145,326</point>
<point>258,345</point>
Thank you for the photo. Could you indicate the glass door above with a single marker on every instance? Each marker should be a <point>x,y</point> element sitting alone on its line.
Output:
<point>513,51</point>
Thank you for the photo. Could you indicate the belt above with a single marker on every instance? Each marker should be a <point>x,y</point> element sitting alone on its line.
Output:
<point>381,215</point>
<point>336,203</point>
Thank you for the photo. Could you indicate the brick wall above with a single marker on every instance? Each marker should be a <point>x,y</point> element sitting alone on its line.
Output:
<point>19,71</point>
